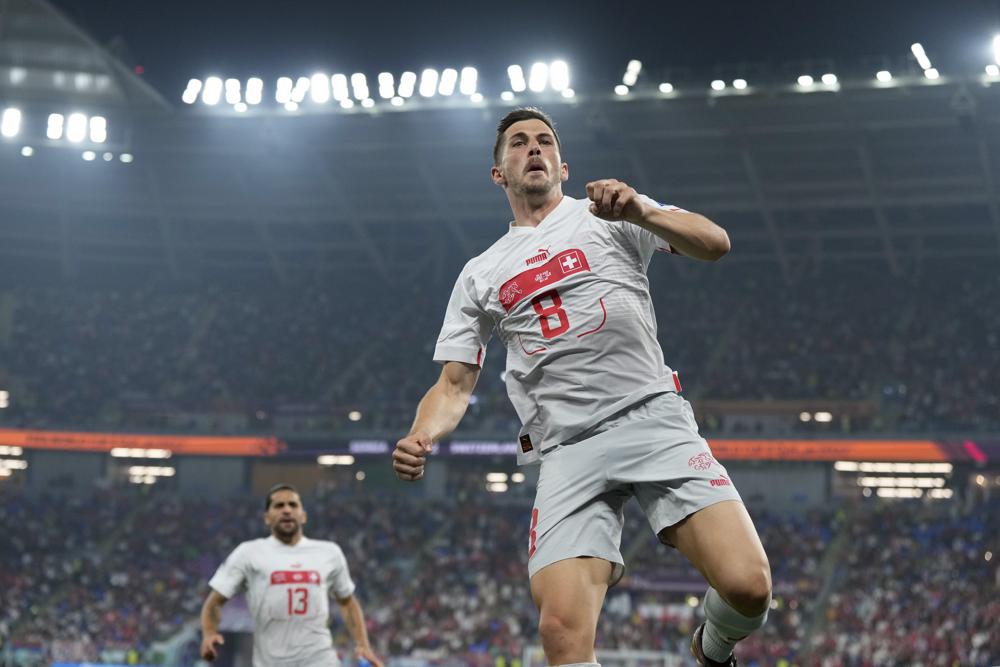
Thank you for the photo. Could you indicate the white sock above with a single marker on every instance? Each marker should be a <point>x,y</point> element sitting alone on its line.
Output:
<point>724,626</point>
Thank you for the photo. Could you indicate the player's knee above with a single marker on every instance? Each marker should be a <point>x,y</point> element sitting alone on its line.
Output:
<point>558,629</point>
<point>749,591</point>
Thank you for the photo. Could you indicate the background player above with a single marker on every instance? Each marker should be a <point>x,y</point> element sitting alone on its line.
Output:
<point>287,578</point>
<point>567,292</point>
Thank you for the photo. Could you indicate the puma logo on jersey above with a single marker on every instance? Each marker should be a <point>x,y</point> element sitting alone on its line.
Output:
<point>543,254</point>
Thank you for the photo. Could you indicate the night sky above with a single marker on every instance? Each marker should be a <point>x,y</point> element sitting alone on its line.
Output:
<point>175,41</point>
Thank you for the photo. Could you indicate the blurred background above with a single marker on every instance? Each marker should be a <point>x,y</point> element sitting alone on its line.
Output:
<point>228,232</point>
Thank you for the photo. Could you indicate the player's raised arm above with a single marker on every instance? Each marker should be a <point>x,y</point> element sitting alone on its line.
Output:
<point>354,619</point>
<point>211,615</point>
<point>690,234</point>
<point>438,414</point>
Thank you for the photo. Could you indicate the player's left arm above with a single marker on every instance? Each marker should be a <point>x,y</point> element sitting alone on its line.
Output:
<point>690,234</point>
<point>354,619</point>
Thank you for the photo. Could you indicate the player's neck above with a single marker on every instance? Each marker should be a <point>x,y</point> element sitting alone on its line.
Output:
<point>529,212</point>
<point>289,540</point>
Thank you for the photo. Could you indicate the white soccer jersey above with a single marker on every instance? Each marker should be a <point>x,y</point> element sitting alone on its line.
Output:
<point>288,594</point>
<point>570,300</point>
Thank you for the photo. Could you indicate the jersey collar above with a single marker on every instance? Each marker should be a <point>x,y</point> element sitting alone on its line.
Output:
<point>554,214</point>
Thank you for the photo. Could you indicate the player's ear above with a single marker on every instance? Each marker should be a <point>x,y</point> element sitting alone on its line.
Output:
<point>564,172</point>
<point>267,520</point>
<point>497,176</point>
<point>305,517</point>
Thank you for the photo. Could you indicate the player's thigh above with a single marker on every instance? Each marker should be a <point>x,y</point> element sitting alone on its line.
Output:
<point>572,590</point>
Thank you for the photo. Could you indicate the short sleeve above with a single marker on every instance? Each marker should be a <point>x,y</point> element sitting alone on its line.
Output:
<point>340,579</point>
<point>231,577</point>
<point>467,327</point>
<point>645,241</point>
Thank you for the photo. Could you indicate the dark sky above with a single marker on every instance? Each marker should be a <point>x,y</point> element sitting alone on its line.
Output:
<point>178,40</point>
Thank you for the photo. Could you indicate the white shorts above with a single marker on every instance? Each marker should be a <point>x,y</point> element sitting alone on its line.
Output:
<point>651,451</point>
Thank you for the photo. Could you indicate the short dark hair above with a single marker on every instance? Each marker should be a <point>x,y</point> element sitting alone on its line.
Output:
<point>274,489</point>
<point>517,115</point>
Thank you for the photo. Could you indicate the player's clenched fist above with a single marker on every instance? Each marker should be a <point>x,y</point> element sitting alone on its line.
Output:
<point>208,644</point>
<point>410,455</point>
<point>614,200</point>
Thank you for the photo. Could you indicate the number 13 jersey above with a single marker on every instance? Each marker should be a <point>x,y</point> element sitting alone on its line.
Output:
<point>570,301</point>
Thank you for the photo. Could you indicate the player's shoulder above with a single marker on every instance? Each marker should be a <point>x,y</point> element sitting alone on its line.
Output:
<point>249,546</point>
<point>326,546</point>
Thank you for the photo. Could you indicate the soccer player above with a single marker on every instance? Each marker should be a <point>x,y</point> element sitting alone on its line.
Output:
<point>287,577</point>
<point>566,290</point>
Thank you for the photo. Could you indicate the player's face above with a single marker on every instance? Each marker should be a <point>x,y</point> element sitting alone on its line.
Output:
<point>530,163</point>
<point>285,516</point>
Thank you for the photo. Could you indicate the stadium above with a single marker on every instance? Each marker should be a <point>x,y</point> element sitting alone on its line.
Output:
<point>228,281</point>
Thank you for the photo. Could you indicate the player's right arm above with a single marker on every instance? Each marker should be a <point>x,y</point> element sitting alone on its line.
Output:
<point>438,414</point>
<point>211,615</point>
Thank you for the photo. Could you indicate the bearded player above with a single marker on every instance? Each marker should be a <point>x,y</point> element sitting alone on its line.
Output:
<point>567,292</point>
<point>288,579</point>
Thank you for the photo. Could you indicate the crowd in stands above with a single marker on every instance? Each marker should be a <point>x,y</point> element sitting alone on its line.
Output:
<point>107,577</point>
<point>923,353</point>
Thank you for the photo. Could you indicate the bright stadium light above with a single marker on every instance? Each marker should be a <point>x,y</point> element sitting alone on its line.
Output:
<point>359,84</point>
<point>27,151</point>
<point>55,126</point>
<point>396,101</point>
<point>718,85</point>
<point>507,96</point>
<point>341,91</point>
<point>291,106</point>
<point>516,75</point>
<point>538,77</point>
<point>346,104</point>
<point>568,93</point>
<point>190,95</point>
<point>212,92</point>
<point>407,82</point>
<point>921,56</point>
<point>476,98</point>
<point>932,73</point>
<point>666,88</point>
<point>993,70</point>
<point>255,91</point>
<point>386,86</point>
<point>884,76</point>
<point>319,88</point>
<point>805,81</point>
<point>83,80</point>
<point>301,88</point>
<point>98,129</point>
<point>108,157</point>
<point>335,459</point>
<point>76,127</point>
<point>17,75</point>
<point>632,72</point>
<point>233,91</point>
<point>449,79</point>
<point>283,90</point>
<point>740,84</point>
<point>428,82</point>
<point>368,103</point>
<point>621,89</point>
<point>10,124</point>
<point>829,79</point>
<point>240,107</point>
<point>126,158</point>
<point>559,75</point>
<point>468,81</point>
<point>89,156</point>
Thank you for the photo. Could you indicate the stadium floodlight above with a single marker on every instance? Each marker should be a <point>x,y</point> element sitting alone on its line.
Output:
<point>476,98</point>
<point>630,78</point>
<point>507,96</point>
<point>126,158</point>
<point>346,104</point>
<point>568,93</point>
<point>89,156</point>
<point>829,79</point>
<point>83,80</point>
<point>918,52</point>
<point>359,85</point>
<point>108,157</point>
<point>341,91</point>
<point>368,103</point>
<point>497,487</point>
<point>666,88</point>
<point>8,450</point>
<point>740,84</point>
<point>496,477</point>
<point>10,123</point>
<point>993,70</point>
<point>516,75</point>
<point>337,459</point>
<point>27,151</point>
<point>718,85</point>
<point>805,81</point>
<point>621,89</point>
<point>468,81</point>
<point>428,82</point>
<point>823,417</point>
<point>233,91</point>
<point>632,72</point>
<point>76,127</point>
<point>634,66</point>
<point>55,126</point>
<point>301,88</point>
<point>449,79</point>
<point>884,76</point>
<point>407,83</point>
<point>212,92</point>
<point>319,88</point>
<point>283,90</point>
<point>517,478</point>
<point>932,73</point>
<point>190,95</point>
<point>386,86</point>
<point>805,416</point>
<point>538,77</point>
<point>559,75</point>
<point>98,129</point>
<point>396,101</point>
<point>291,106</point>
<point>17,75</point>
<point>255,91</point>
<point>240,107</point>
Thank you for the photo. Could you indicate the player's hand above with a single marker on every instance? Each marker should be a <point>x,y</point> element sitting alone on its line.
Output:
<point>613,200</point>
<point>208,644</point>
<point>410,456</point>
<point>365,653</point>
